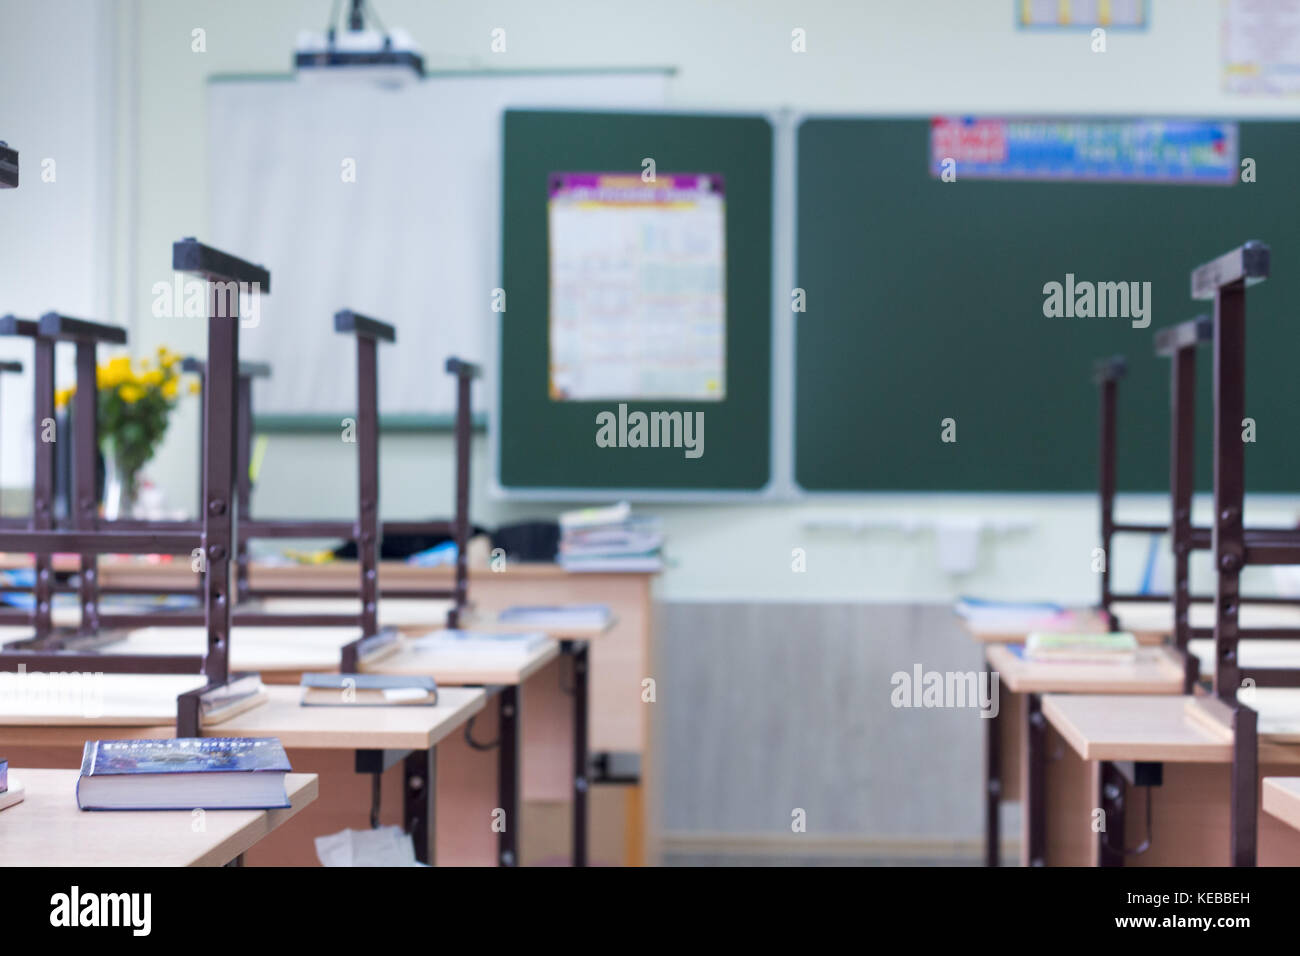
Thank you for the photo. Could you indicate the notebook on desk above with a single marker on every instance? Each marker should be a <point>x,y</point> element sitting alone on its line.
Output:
<point>558,617</point>
<point>1052,647</point>
<point>478,644</point>
<point>368,690</point>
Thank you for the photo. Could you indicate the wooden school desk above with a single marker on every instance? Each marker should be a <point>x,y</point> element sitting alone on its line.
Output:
<point>620,660</point>
<point>47,828</point>
<point>474,775</point>
<point>345,747</point>
<point>1180,745</point>
<point>281,655</point>
<point>341,745</point>
<point>1016,755</point>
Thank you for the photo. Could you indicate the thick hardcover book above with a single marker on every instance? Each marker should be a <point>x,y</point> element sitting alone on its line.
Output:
<point>213,773</point>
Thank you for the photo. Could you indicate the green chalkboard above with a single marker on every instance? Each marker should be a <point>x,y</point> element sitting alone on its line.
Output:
<point>545,444</point>
<point>925,302</point>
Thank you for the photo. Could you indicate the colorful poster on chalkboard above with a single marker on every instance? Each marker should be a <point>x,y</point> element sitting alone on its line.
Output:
<point>1082,14</point>
<point>1147,151</point>
<point>637,287</point>
<point>1260,41</point>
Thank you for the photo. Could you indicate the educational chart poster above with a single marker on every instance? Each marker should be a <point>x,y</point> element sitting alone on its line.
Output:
<point>1150,151</point>
<point>637,287</point>
<point>1260,40</point>
<point>1082,14</point>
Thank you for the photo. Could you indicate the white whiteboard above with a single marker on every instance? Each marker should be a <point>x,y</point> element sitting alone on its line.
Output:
<point>414,240</point>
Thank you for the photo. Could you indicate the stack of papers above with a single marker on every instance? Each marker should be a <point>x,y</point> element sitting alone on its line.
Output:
<point>1016,617</point>
<point>1117,648</point>
<point>610,539</point>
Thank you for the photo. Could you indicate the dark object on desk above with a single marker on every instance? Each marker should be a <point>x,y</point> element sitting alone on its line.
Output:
<point>399,547</point>
<point>8,167</point>
<point>528,540</point>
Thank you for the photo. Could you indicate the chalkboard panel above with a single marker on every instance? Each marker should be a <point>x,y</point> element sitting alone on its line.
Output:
<point>545,444</point>
<point>925,302</point>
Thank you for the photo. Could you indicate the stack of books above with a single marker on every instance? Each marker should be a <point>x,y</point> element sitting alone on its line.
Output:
<point>610,539</point>
<point>983,615</point>
<point>1117,648</point>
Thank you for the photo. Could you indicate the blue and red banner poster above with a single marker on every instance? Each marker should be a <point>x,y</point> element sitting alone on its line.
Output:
<point>1140,151</point>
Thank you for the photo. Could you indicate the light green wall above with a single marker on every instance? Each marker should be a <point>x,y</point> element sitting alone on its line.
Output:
<point>862,57</point>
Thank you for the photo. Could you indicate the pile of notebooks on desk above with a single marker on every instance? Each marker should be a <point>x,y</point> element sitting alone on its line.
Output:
<point>1113,648</point>
<point>1022,616</point>
<point>610,539</point>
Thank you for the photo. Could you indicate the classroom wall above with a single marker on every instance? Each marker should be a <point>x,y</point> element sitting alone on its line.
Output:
<point>57,226</point>
<point>878,56</point>
<point>861,57</point>
<point>869,57</point>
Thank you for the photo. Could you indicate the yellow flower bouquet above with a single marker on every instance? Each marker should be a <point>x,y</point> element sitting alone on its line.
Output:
<point>135,402</point>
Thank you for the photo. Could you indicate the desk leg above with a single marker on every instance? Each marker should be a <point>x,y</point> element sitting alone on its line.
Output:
<point>581,763</point>
<point>420,791</point>
<point>1035,797</point>
<point>992,788</point>
<point>1111,840</point>
<point>508,775</point>
<point>1245,785</point>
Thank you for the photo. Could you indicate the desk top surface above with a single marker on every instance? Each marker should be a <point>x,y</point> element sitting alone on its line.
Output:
<point>1155,671</point>
<point>342,574</point>
<point>1149,621</point>
<point>47,828</point>
<point>1164,728</point>
<point>1104,727</point>
<point>361,728</point>
<point>1014,629</point>
<point>1144,616</point>
<point>89,700</point>
<point>1265,653</point>
<point>494,667</point>
<point>295,649</point>
<point>1281,798</point>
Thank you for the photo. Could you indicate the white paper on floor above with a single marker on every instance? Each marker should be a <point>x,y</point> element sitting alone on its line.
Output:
<point>386,846</point>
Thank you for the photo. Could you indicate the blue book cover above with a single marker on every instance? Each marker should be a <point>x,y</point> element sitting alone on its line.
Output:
<point>184,755</point>
<point>4,775</point>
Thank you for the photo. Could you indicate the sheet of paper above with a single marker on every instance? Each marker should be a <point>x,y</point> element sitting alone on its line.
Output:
<point>1260,43</point>
<point>638,280</point>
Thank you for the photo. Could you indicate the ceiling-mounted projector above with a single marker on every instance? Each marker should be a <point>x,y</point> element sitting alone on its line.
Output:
<point>388,57</point>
